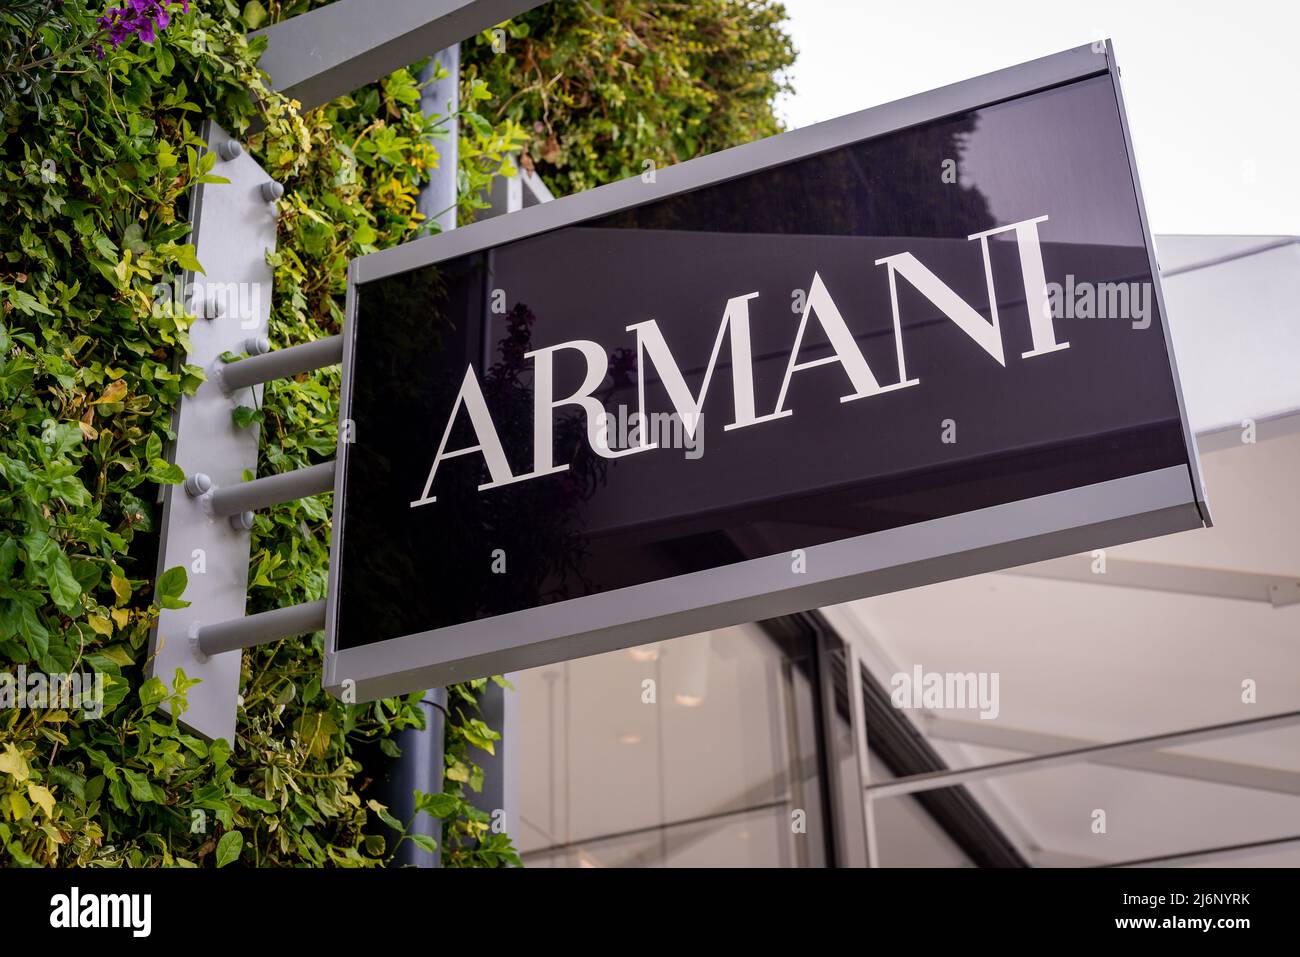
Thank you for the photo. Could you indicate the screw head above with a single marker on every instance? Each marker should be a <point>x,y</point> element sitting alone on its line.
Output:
<point>229,149</point>
<point>197,484</point>
<point>211,307</point>
<point>242,522</point>
<point>271,191</point>
<point>257,345</point>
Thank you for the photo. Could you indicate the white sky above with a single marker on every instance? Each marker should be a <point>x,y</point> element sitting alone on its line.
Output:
<point>1212,88</point>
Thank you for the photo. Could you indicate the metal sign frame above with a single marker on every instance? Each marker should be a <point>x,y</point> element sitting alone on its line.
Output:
<point>1107,513</point>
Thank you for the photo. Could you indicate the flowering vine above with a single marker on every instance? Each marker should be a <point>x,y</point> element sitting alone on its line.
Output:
<point>138,18</point>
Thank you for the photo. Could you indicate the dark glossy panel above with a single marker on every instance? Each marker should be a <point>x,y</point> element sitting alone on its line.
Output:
<point>1101,409</point>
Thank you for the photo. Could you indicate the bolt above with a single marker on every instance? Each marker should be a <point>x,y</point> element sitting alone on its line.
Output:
<point>242,522</point>
<point>257,345</point>
<point>212,307</point>
<point>271,191</point>
<point>229,149</point>
<point>197,484</point>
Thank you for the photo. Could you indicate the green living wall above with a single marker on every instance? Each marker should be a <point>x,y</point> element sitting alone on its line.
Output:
<point>99,150</point>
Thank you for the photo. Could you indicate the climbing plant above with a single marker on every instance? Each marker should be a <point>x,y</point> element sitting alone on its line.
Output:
<point>101,148</point>
<point>603,87</point>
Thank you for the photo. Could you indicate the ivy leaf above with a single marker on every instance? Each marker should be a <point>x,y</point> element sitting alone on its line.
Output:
<point>219,752</point>
<point>152,692</point>
<point>229,848</point>
<point>243,416</point>
<point>165,473</point>
<point>171,585</point>
<point>47,557</point>
<point>382,813</point>
<point>424,842</point>
<point>41,797</point>
<point>13,763</point>
<point>254,14</point>
<point>115,392</point>
<point>141,790</point>
<point>437,805</point>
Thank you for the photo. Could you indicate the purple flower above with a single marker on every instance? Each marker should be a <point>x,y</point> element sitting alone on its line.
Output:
<point>139,18</point>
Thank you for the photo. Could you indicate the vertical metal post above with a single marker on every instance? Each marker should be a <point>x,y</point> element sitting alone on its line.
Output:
<point>858,713</point>
<point>421,765</point>
<point>437,200</point>
<point>843,784</point>
<point>500,795</point>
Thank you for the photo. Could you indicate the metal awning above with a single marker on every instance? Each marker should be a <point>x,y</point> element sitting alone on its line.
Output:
<point>1140,671</point>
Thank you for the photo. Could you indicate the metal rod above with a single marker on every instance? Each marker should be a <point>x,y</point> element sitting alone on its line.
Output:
<point>1039,762</point>
<point>1162,576</point>
<point>281,363</point>
<point>274,489</point>
<point>991,734</point>
<point>259,629</point>
<point>1212,853</point>
<point>1230,257</point>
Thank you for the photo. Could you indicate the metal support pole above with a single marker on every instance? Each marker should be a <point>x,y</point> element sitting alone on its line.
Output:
<point>858,719</point>
<point>1040,762</point>
<point>420,766</point>
<point>499,798</point>
<point>441,97</point>
<point>280,364</point>
<point>260,629</point>
<point>273,490</point>
<point>843,778</point>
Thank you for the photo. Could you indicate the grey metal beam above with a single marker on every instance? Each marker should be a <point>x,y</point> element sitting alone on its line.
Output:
<point>1278,590</point>
<point>272,490</point>
<point>279,364</point>
<point>1042,762</point>
<point>992,735</point>
<point>260,629</point>
<point>1277,426</point>
<point>338,48</point>
<point>234,229</point>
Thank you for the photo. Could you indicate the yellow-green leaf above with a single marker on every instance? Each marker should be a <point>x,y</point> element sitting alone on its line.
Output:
<point>13,763</point>
<point>42,798</point>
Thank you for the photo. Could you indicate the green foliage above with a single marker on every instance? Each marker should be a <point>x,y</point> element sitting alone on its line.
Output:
<point>33,44</point>
<point>98,158</point>
<point>603,86</point>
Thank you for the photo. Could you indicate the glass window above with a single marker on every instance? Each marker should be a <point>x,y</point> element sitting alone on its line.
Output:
<point>696,751</point>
